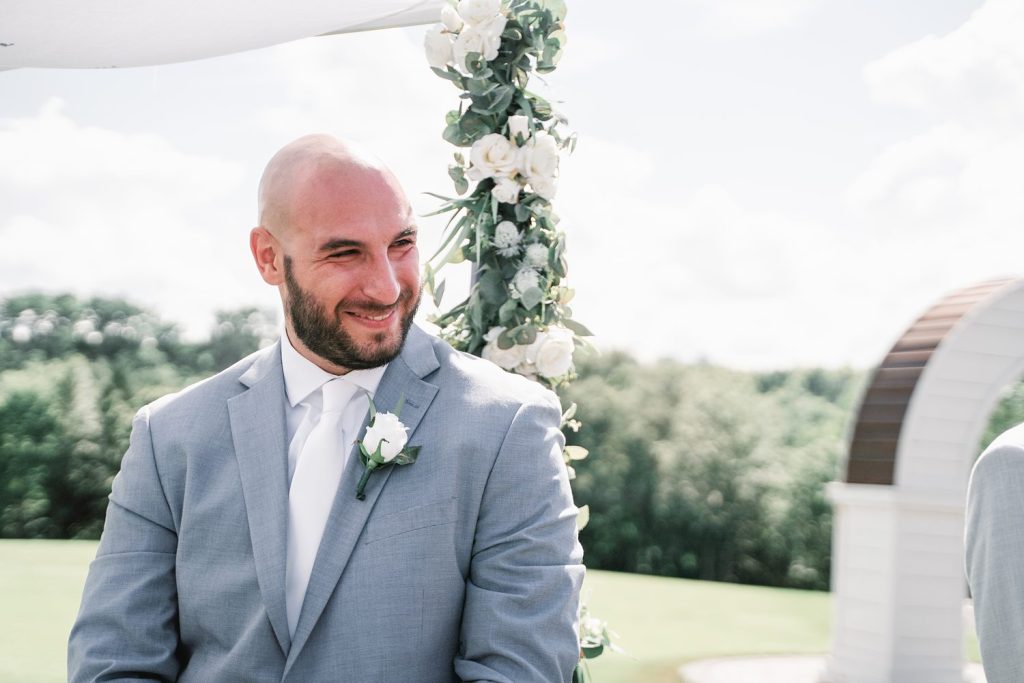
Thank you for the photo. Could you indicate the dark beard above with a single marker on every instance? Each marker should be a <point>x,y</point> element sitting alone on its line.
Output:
<point>328,339</point>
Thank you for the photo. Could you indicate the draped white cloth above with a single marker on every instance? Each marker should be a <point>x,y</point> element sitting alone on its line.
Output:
<point>123,33</point>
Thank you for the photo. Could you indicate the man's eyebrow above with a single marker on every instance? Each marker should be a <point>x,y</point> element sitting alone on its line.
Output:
<point>341,243</point>
<point>338,243</point>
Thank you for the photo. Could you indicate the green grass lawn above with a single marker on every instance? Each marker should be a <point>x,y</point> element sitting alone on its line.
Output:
<point>661,623</point>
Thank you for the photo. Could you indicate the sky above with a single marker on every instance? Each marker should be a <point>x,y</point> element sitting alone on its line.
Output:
<point>757,184</point>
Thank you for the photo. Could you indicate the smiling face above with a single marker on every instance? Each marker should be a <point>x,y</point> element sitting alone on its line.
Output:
<point>338,239</point>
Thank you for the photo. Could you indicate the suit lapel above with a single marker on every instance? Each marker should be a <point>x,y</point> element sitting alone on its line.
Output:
<point>258,432</point>
<point>348,516</point>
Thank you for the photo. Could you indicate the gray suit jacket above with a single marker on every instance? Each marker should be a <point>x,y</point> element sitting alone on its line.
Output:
<point>461,566</point>
<point>995,555</point>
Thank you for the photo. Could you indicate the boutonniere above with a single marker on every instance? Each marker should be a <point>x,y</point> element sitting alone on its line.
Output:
<point>383,445</point>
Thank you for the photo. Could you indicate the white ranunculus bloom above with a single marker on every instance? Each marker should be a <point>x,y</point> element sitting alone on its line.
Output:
<point>438,47</point>
<point>493,156</point>
<point>506,190</point>
<point>545,186</point>
<point>552,353</point>
<point>477,11</point>
<point>389,433</point>
<point>537,255</point>
<point>539,156</point>
<point>490,35</point>
<point>451,19</point>
<point>527,278</point>
<point>518,125</point>
<point>508,358</point>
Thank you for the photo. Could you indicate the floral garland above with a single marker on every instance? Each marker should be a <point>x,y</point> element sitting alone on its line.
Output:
<point>517,313</point>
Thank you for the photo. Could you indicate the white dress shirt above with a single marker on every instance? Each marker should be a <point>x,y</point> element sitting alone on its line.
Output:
<point>302,382</point>
<point>303,386</point>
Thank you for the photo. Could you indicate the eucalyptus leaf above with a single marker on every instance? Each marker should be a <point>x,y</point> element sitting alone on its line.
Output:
<point>525,334</point>
<point>506,340</point>
<point>438,293</point>
<point>507,313</point>
<point>492,287</point>
<point>576,327</point>
<point>531,297</point>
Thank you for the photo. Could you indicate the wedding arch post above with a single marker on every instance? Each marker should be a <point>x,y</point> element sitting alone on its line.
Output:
<point>898,569</point>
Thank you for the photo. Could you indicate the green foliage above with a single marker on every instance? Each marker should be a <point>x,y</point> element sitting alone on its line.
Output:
<point>1009,412</point>
<point>710,473</point>
<point>72,375</point>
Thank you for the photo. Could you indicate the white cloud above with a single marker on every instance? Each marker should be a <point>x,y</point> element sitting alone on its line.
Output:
<point>51,150</point>
<point>963,174</point>
<point>698,276</point>
<point>104,212</point>
<point>975,72</point>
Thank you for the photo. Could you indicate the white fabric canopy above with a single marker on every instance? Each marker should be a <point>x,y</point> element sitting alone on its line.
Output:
<point>123,33</point>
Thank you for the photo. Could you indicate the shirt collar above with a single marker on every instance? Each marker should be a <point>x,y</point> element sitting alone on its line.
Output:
<point>302,377</point>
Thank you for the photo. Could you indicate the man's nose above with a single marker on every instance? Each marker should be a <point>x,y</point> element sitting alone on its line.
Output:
<point>381,282</point>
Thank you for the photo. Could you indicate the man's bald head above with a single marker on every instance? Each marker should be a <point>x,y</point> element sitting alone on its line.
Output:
<point>305,162</point>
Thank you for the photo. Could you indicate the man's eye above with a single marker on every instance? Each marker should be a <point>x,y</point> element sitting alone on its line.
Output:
<point>404,243</point>
<point>344,254</point>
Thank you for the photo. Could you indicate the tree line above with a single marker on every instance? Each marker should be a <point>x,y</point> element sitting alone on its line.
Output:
<point>696,470</point>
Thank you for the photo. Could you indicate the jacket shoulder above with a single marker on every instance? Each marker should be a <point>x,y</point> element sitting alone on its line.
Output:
<point>484,383</point>
<point>215,389</point>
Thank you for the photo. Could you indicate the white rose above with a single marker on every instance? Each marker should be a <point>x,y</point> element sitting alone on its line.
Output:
<point>552,355</point>
<point>537,255</point>
<point>508,358</point>
<point>518,125</point>
<point>490,35</point>
<point>527,370</point>
<point>506,190</point>
<point>477,11</point>
<point>524,280</point>
<point>438,47</point>
<point>388,432</point>
<point>493,155</point>
<point>467,41</point>
<point>545,186</point>
<point>539,156</point>
<point>451,19</point>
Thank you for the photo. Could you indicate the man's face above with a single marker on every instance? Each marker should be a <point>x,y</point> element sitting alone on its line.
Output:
<point>351,268</point>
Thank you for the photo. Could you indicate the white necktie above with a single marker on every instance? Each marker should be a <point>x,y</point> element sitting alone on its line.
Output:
<point>312,492</point>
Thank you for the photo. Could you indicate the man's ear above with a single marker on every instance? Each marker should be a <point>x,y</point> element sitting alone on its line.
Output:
<point>266,250</point>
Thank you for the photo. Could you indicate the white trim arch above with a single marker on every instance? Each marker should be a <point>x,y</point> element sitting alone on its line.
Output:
<point>897,571</point>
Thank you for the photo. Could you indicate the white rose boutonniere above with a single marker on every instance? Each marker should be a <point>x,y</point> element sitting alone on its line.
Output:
<point>383,445</point>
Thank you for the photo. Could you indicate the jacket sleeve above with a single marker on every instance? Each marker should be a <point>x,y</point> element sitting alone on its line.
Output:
<point>127,626</point>
<point>520,616</point>
<point>995,559</point>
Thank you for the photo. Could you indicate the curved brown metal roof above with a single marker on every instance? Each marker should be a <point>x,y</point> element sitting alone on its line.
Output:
<point>876,434</point>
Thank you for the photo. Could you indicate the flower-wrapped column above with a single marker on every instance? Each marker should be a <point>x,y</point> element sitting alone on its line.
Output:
<point>517,313</point>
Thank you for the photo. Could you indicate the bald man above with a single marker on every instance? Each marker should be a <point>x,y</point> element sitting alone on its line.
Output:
<point>235,548</point>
